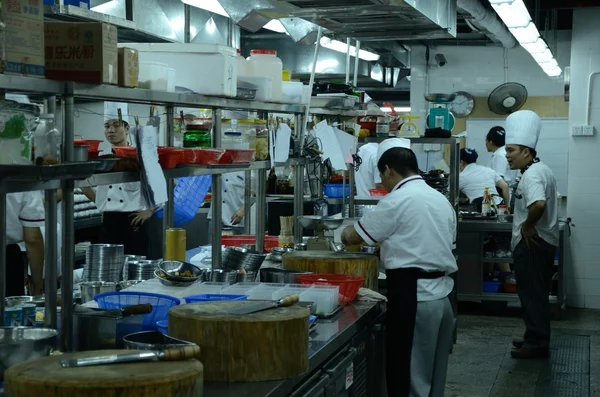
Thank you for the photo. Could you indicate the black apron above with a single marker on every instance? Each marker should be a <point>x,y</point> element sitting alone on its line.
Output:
<point>117,229</point>
<point>401,317</point>
<point>15,271</point>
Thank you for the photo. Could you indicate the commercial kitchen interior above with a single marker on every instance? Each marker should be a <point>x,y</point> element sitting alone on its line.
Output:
<point>479,55</point>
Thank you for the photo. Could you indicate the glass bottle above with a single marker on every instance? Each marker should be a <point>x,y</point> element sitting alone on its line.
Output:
<point>47,141</point>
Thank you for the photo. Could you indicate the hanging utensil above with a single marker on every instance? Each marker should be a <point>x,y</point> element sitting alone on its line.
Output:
<point>174,354</point>
<point>258,307</point>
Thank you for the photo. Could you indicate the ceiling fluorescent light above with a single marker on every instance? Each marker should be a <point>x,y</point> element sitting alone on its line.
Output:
<point>208,5</point>
<point>541,57</point>
<point>535,47</point>
<point>550,65</point>
<point>553,72</point>
<point>528,34</point>
<point>402,109</point>
<point>513,14</point>
<point>275,26</point>
<point>343,47</point>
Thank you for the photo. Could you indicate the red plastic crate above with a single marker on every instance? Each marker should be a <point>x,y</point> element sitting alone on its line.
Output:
<point>349,284</point>
<point>378,192</point>
<point>202,155</point>
<point>169,157</point>
<point>125,151</point>
<point>241,156</point>
<point>237,241</point>
<point>93,154</point>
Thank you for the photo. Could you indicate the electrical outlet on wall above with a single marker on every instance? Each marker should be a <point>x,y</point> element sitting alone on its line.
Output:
<point>577,130</point>
<point>588,130</point>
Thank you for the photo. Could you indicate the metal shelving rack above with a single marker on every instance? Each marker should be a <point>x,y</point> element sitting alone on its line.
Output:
<point>68,91</point>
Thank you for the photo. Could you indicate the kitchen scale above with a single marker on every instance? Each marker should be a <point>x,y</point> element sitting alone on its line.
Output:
<point>439,115</point>
<point>319,224</point>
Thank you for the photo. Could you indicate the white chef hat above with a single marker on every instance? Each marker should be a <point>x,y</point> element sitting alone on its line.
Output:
<point>111,111</point>
<point>523,128</point>
<point>390,144</point>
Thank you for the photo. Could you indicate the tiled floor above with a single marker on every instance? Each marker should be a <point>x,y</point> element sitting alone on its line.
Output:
<point>481,366</point>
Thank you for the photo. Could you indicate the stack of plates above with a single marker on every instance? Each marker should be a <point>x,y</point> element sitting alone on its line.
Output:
<point>141,270</point>
<point>235,258</point>
<point>104,262</point>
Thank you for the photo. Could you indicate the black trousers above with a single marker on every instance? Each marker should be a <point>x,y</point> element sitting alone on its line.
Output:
<point>15,271</point>
<point>117,229</point>
<point>534,267</point>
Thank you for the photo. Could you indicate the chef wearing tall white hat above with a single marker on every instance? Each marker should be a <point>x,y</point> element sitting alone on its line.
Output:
<point>535,232</point>
<point>415,226</point>
<point>123,215</point>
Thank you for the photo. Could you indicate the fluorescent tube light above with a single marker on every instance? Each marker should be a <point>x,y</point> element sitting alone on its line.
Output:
<point>401,109</point>
<point>513,14</point>
<point>275,26</point>
<point>550,65</point>
<point>535,47</point>
<point>343,47</point>
<point>528,34</point>
<point>545,56</point>
<point>553,72</point>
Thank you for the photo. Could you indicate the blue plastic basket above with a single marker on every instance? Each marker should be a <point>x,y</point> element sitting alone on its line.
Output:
<point>334,190</point>
<point>188,196</point>
<point>491,286</point>
<point>163,326</point>
<point>214,297</point>
<point>160,304</point>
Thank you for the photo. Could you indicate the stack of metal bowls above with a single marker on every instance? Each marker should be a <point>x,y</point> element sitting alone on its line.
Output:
<point>141,270</point>
<point>248,277</point>
<point>223,276</point>
<point>358,210</point>
<point>235,258</point>
<point>130,258</point>
<point>104,262</point>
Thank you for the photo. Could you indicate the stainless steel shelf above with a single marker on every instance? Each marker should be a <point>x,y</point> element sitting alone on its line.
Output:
<point>357,201</point>
<point>414,139</point>
<point>138,95</point>
<point>18,84</point>
<point>337,112</point>
<point>499,296</point>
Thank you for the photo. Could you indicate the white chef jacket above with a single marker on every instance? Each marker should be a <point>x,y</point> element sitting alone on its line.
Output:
<point>415,226</point>
<point>119,197</point>
<point>537,184</point>
<point>233,196</point>
<point>473,180</point>
<point>499,164</point>
<point>368,174</point>
<point>23,209</point>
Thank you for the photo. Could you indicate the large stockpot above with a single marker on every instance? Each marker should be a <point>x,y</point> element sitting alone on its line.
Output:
<point>24,343</point>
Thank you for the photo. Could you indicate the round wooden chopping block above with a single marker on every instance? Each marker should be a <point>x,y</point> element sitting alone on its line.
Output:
<point>335,263</point>
<point>45,377</point>
<point>267,345</point>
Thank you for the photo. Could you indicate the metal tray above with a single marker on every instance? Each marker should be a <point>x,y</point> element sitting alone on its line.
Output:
<point>105,164</point>
<point>73,170</point>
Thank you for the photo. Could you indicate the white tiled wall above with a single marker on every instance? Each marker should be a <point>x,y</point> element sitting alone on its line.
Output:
<point>583,286</point>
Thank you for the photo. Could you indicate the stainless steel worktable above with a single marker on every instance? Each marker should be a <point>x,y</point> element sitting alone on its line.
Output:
<point>329,336</point>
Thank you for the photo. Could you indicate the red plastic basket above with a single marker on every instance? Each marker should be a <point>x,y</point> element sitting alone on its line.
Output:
<point>237,241</point>
<point>169,157</point>
<point>240,156</point>
<point>349,284</point>
<point>202,155</point>
<point>378,192</point>
<point>125,151</point>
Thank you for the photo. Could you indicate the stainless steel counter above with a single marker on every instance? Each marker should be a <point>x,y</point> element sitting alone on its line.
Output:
<point>329,336</point>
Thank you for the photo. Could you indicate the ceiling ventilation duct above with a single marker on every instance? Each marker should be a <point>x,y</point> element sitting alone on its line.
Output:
<point>300,31</point>
<point>487,19</point>
<point>253,15</point>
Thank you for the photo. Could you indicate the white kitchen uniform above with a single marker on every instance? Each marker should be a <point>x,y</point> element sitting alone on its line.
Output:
<point>537,184</point>
<point>119,197</point>
<point>415,226</point>
<point>473,180</point>
<point>23,209</point>
<point>499,164</point>
<point>233,197</point>
<point>368,174</point>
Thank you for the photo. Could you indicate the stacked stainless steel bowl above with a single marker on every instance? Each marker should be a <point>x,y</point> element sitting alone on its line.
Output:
<point>140,270</point>
<point>104,262</point>
<point>224,276</point>
<point>235,258</point>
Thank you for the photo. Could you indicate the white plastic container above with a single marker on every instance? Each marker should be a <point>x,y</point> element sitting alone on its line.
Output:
<point>325,297</point>
<point>242,64</point>
<point>263,85</point>
<point>172,73</point>
<point>265,63</point>
<point>240,288</point>
<point>291,92</point>
<point>265,291</point>
<point>292,289</point>
<point>211,288</point>
<point>207,69</point>
<point>154,76</point>
<point>306,94</point>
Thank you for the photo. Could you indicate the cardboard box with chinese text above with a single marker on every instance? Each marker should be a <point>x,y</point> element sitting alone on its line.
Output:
<point>85,52</point>
<point>129,67</point>
<point>24,37</point>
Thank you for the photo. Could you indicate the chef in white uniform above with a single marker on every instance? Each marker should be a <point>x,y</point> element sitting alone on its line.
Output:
<point>24,217</point>
<point>494,143</point>
<point>535,232</point>
<point>123,215</point>
<point>474,178</point>
<point>367,176</point>
<point>415,226</point>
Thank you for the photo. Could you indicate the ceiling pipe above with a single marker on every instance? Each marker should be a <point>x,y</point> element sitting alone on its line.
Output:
<point>488,20</point>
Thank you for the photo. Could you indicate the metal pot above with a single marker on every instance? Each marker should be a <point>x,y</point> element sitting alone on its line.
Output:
<point>80,153</point>
<point>18,344</point>
<point>282,276</point>
<point>152,340</point>
<point>92,288</point>
<point>368,249</point>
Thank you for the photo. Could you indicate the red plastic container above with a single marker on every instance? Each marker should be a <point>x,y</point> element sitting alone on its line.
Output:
<point>378,192</point>
<point>240,156</point>
<point>510,288</point>
<point>93,154</point>
<point>237,241</point>
<point>92,144</point>
<point>169,157</point>
<point>125,151</point>
<point>349,285</point>
<point>202,155</point>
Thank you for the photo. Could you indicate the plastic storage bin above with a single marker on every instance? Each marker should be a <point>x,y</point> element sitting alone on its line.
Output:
<point>348,284</point>
<point>154,76</point>
<point>214,297</point>
<point>324,297</point>
<point>491,286</point>
<point>292,289</point>
<point>218,65</point>
<point>160,304</point>
<point>211,287</point>
<point>263,86</point>
<point>264,291</point>
<point>240,288</point>
<point>266,63</point>
<point>334,190</point>
<point>291,92</point>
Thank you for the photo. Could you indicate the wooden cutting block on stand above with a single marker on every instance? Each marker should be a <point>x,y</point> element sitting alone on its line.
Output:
<point>266,345</point>
<point>335,263</point>
<point>45,377</point>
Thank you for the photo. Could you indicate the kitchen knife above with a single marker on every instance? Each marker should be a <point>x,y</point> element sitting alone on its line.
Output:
<point>174,354</point>
<point>260,306</point>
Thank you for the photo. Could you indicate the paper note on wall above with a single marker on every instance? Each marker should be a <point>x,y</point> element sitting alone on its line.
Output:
<point>282,143</point>
<point>347,144</point>
<point>330,146</point>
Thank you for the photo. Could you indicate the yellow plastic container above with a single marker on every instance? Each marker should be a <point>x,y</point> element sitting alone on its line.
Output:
<point>175,244</point>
